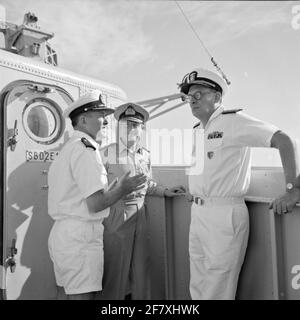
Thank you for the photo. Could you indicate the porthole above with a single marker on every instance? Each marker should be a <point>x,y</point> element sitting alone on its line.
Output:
<point>42,121</point>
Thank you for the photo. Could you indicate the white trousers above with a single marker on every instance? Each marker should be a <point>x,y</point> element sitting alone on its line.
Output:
<point>217,245</point>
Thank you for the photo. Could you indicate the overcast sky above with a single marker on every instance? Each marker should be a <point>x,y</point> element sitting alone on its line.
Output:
<point>146,47</point>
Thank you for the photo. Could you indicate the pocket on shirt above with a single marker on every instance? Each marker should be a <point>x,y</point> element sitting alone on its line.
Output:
<point>144,167</point>
<point>214,144</point>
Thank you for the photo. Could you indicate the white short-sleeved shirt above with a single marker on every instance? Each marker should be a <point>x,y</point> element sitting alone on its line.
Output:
<point>74,175</point>
<point>221,153</point>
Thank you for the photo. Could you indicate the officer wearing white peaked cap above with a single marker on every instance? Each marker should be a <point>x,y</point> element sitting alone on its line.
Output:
<point>79,199</point>
<point>218,182</point>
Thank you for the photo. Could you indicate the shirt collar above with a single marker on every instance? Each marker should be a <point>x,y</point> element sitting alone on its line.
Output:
<point>123,147</point>
<point>216,113</point>
<point>81,134</point>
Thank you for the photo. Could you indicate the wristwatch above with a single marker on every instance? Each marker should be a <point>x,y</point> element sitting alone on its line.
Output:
<point>289,186</point>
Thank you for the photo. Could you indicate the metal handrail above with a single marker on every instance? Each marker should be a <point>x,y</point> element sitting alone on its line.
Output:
<point>263,200</point>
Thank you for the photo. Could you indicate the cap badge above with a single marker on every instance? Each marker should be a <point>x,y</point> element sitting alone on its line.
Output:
<point>130,111</point>
<point>193,76</point>
<point>100,100</point>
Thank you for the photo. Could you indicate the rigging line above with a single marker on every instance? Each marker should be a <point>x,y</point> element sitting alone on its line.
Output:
<point>157,107</point>
<point>165,111</point>
<point>193,29</point>
<point>203,45</point>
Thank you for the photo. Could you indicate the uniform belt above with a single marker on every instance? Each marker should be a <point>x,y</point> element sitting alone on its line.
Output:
<point>135,203</point>
<point>134,195</point>
<point>205,201</point>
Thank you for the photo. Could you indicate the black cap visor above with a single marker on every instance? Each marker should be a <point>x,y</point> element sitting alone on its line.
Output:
<point>92,106</point>
<point>138,117</point>
<point>185,87</point>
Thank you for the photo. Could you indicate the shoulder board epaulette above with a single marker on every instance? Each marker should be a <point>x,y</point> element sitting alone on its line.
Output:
<point>87,143</point>
<point>231,111</point>
<point>196,125</point>
<point>143,148</point>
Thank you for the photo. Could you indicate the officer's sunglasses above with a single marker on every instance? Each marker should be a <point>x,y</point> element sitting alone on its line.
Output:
<point>195,96</point>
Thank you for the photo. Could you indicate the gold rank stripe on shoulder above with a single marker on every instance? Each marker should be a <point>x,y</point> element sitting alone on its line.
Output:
<point>87,143</point>
<point>231,111</point>
<point>196,125</point>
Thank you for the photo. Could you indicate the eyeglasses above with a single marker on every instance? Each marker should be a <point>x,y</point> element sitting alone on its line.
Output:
<point>195,96</point>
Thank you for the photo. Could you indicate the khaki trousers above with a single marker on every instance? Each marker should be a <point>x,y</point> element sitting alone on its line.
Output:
<point>126,254</point>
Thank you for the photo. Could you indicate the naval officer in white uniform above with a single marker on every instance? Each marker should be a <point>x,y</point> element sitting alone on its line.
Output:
<point>79,200</point>
<point>218,181</point>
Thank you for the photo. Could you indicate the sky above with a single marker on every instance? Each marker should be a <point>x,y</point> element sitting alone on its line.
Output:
<point>146,47</point>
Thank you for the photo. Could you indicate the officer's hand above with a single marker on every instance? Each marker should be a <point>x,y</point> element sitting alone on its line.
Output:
<point>188,196</point>
<point>285,203</point>
<point>130,184</point>
<point>113,184</point>
<point>175,191</point>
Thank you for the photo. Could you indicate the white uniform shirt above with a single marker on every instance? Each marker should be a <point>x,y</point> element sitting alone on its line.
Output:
<point>223,167</point>
<point>74,175</point>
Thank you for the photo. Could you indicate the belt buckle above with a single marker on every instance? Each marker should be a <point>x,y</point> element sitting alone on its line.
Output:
<point>199,201</point>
